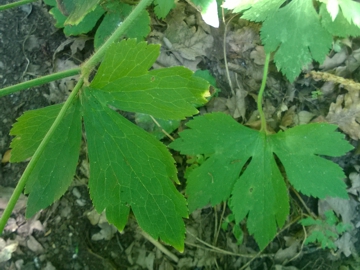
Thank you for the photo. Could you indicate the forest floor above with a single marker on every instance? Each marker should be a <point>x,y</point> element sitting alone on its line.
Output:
<point>71,235</point>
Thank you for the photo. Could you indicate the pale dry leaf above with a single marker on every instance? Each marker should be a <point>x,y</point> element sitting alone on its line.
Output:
<point>345,244</point>
<point>242,40</point>
<point>5,194</point>
<point>6,156</point>
<point>6,249</point>
<point>165,265</point>
<point>283,255</point>
<point>34,245</point>
<point>189,42</point>
<point>140,260</point>
<point>328,88</point>
<point>258,55</point>
<point>30,225</point>
<point>93,217</point>
<point>346,210</point>
<point>355,184</point>
<point>288,119</point>
<point>78,44</point>
<point>236,104</point>
<point>303,117</point>
<point>60,90</point>
<point>281,267</point>
<point>336,60</point>
<point>345,113</point>
<point>149,261</point>
<point>106,233</point>
<point>351,64</point>
<point>49,266</point>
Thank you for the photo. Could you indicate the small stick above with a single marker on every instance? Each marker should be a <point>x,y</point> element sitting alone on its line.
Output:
<point>162,130</point>
<point>159,246</point>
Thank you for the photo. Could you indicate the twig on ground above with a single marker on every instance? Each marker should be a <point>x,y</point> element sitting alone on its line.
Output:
<point>159,246</point>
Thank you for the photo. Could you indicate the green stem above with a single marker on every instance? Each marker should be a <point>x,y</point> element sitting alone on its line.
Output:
<point>90,64</point>
<point>16,4</point>
<point>30,167</point>
<point>39,81</point>
<point>261,92</point>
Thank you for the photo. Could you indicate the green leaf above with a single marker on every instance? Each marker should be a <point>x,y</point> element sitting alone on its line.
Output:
<point>86,25</point>
<point>76,10</point>
<point>130,168</point>
<point>257,11</point>
<point>205,74</point>
<point>260,192</point>
<point>117,13</point>
<point>331,219</point>
<point>351,11</point>
<point>55,169</point>
<point>319,236</point>
<point>295,33</point>
<point>29,130</point>
<point>310,221</point>
<point>169,93</point>
<point>163,7</point>
<point>338,27</point>
<point>239,5</point>
<point>147,123</point>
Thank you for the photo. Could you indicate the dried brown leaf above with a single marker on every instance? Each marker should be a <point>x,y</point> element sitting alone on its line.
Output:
<point>345,113</point>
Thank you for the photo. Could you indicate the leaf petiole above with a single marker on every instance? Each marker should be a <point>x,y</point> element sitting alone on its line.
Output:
<point>260,95</point>
<point>15,4</point>
<point>39,81</point>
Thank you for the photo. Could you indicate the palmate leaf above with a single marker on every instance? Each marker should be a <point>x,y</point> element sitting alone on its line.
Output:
<point>129,168</point>
<point>55,169</point>
<point>242,166</point>
<point>293,32</point>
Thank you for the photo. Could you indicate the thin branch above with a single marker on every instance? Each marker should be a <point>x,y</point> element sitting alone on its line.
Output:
<point>16,4</point>
<point>38,81</point>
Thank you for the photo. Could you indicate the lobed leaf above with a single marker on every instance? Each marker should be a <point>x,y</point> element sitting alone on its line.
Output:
<point>340,26</point>
<point>130,168</point>
<point>284,33</point>
<point>169,93</point>
<point>56,166</point>
<point>242,165</point>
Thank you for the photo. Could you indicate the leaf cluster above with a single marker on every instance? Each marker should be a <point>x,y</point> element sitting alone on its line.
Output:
<point>81,16</point>
<point>325,232</point>
<point>129,168</point>
<point>253,169</point>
